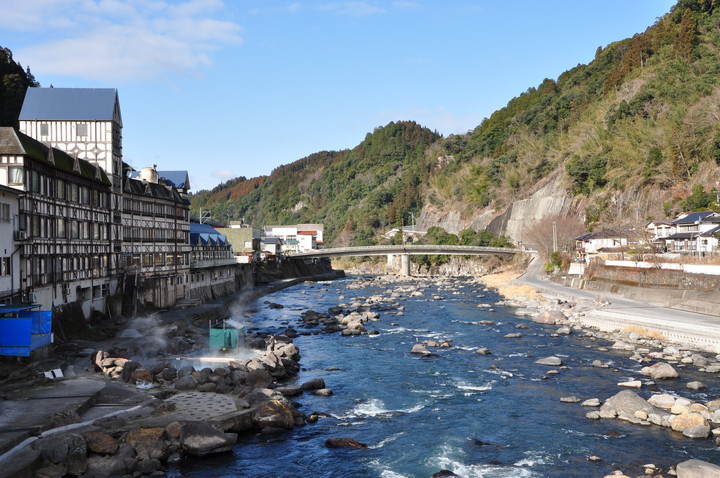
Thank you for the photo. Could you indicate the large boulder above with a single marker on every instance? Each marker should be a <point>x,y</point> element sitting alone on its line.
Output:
<point>697,469</point>
<point>662,400</point>
<point>625,404</point>
<point>660,371</point>
<point>550,317</point>
<point>70,449</point>
<point>101,443</point>
<point>187,382</point>
<point>682,422</point>
<point>201,439</point>
<point>258,378</point>
<point>314,384</point>
<point>274,414</point>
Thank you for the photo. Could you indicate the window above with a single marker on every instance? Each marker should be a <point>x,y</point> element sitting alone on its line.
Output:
<point>15,175</point>
<point>44,130</point>
<point>61,227</point>
<point>82,130</point>
<point>4,266</point>
<point>4,212</point>
<point>60,189</point>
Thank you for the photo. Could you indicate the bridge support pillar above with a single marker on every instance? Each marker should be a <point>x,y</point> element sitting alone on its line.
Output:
<point>405,264</point>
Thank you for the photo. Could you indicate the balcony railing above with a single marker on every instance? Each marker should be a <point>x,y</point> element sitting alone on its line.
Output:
<point>205,263</point>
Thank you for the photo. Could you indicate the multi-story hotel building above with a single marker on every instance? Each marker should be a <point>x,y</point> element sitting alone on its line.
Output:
<point>62,234</point>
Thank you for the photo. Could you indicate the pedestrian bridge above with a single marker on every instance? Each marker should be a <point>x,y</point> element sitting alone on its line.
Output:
<point>405,251</point>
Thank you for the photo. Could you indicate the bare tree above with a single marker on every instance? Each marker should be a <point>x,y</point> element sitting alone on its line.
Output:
<point>544,234</point>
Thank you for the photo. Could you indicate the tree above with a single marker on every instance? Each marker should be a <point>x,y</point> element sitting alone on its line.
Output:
<point>541,234</point>
<point>698,199</point>
<point>14,81</point>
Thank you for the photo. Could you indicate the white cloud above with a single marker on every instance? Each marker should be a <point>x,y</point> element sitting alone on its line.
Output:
<point>354,9</point>
<point>114,40</point>
<point>224,174</point>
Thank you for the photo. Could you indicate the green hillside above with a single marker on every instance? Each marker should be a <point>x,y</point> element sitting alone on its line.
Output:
<point>353,192</point>
<point>629,135</point>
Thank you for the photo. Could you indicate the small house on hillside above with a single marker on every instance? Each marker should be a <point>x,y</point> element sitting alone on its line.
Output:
<point>607,241</point>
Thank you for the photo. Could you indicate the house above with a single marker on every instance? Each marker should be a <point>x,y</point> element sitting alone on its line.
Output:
<point>658,230</point>
<point>63,224</point>
<point>606,241</point>
<point>297,238</point>
<point>694,232</point>
<point>9,260</point>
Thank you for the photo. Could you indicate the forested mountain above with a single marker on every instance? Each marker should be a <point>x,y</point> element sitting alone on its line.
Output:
<point>14,81</point>
<point>353,192</point>
<point>635,134</point>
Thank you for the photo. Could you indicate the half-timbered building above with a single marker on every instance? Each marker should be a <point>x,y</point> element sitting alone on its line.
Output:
<point>156,239</point>
<point>63,223</point>
<point>85,123</point>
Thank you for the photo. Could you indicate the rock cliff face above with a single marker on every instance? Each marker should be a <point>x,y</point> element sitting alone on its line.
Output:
<point>550,198</point>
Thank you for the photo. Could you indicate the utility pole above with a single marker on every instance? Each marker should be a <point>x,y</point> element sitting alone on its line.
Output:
<point>555,244</point>
<point>204,215</point>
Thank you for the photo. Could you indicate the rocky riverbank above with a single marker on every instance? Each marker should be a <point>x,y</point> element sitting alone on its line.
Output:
<point>657,358</point>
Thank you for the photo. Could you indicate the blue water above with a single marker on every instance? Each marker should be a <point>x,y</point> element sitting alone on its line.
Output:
<point>421,415</point>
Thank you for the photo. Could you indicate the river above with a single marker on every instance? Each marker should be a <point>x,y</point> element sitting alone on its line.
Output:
<point>496,415</point>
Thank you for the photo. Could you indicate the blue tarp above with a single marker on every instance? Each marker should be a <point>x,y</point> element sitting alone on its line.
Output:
<point>26,331</point>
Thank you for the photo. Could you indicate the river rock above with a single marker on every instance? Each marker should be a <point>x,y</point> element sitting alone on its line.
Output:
<point>599,364</point>
<point>564,331</point>
<point>344,443</point>
<point>201,439</point>
<point>630,384</point>
<point>443,474</point>
<point>187,382</point>
<point>550,317</point>
<point>700,431</point>
<point>104,465</point>
<point>323,392</point>
<point>695,385</point>
<point>552,361</point>
<point>483,351</point>
<point>682,422</point>
<point>660,371</point>
<point>101,443</point>
<point>591,402</point>
<point>697,469</point>
<point>258,378</point>
<point>662,400</point>
<point>314,384</point>
<point>626,403</point>
<point>420,349</point>
<point>274,414</point>
<point>70,449</point>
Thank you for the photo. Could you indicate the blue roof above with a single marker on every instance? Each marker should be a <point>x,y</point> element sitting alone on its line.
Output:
<point>178,179</point>
<point>69,104</point>
<point>693,217</point>
<point>204,234</point>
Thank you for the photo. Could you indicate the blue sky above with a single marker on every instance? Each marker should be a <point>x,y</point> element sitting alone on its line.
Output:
<point>238,87</point>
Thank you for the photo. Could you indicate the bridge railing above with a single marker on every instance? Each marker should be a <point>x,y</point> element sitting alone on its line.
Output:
<point>408,249</point>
